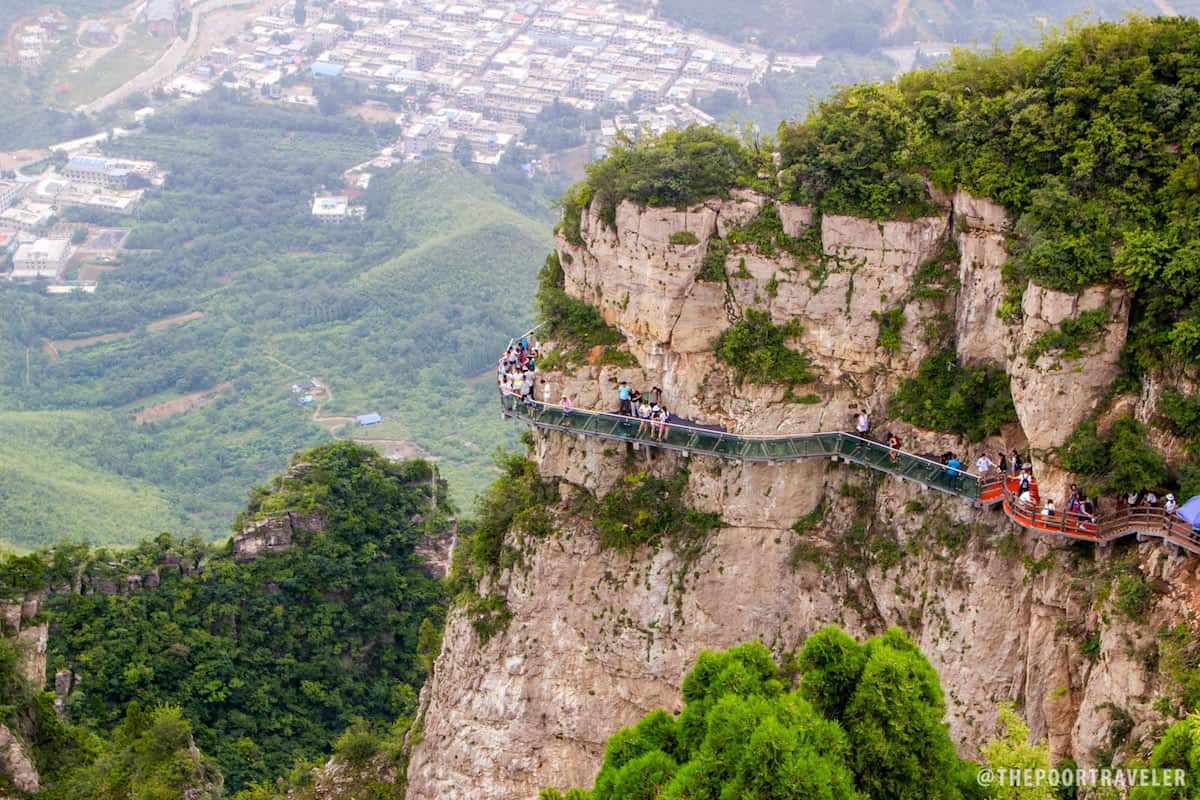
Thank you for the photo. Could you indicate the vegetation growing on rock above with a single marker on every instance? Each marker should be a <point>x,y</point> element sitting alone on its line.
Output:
<point>267,660</point>
<point>1119,461</point>
<point>947,397</point>
<point>756,349</point>
<point>1088,139</point>
<point>865,721</point>
<point>575,325</point>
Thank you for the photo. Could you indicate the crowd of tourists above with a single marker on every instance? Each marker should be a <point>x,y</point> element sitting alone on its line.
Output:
<point>517,376</point>
<point>519,382</point>
<point>646,407</point>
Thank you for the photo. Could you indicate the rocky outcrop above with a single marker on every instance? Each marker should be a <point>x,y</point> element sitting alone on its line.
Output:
<point>16,763</point>
<point>1054,394</point>
<point>600,637</point>
<point>981,229</point>
<point>273,534</point>
<point>32,641</point>
<point>436,551</point>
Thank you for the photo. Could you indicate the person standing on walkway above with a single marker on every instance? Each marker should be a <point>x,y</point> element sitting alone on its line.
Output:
<point>862,423</point>
<point>664,417</point>
<point>893,443</point>
<point>567,408</point>
<point>983,465</point>
<point>643,413</point>
<point>1015,463</point>
<point>1169,504</point>
<point>623,395</point>
<point>953,469</point>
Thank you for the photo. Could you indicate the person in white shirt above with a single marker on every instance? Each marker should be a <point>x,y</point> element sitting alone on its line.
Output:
<point>862,423</point>
<point>1048,511</point>
<point>984,465</point>
<point>1169,504</point>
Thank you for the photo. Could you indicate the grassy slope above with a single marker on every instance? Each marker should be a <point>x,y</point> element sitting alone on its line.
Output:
<point>48,492</point>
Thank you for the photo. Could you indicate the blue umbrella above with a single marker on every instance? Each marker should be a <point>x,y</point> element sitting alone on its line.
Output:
<point>1190,510</point>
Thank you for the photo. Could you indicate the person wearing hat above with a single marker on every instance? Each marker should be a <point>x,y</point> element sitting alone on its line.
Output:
<point>1169,504</point>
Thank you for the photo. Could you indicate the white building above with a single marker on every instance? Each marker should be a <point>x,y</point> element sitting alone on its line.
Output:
<point>27,216</point>
<point>332,210</point>
<point>45,258</point>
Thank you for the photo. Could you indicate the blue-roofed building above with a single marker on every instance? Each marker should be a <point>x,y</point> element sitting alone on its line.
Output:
<point>323,69</point>
<point>369,419</point>
<point>97,171</point>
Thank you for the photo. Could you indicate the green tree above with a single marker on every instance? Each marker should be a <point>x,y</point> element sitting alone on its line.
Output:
<point>463,152</point>
<point>1177,750</point>
<point>742,733</point>
<point>901,746</point>
<point>1012,750</point>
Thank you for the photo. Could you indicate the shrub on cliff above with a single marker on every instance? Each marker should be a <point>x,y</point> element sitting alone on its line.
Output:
<point>674,168</point>
<point>1087,138</point>
<point>1122,460</point>
<point>946,397</point>
<point>744,733</point>
<point>566,318</point>
<point>757,350</point>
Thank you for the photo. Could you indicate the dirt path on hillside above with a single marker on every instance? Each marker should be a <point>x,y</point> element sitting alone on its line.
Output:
<point>178,319</point>
<point>326,393</point>
<point>338,421</point>
<point>178,405</point>
<point>56,347</point>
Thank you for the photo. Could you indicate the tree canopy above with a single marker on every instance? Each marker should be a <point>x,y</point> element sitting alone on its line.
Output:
<point>267,660</point>
<point>865,721</point>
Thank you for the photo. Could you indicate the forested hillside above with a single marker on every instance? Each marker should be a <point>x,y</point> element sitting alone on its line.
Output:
<point>811,26</point>
<point>394,314</point>
<point>266,662</point>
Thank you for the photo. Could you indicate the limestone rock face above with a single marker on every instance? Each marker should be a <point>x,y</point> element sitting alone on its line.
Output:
<point>33,644</point>
<point>981,337</point>
<point>980,213</point>
<point>1055,394</point>
<point>599,637</point>
<point>274,534</point>
<point>437,551</point>
<point>16,763</point>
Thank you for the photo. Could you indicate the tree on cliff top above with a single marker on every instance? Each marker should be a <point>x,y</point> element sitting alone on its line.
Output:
<point>675,168</point>
<point>865,722</point>
<point>1089,139</point>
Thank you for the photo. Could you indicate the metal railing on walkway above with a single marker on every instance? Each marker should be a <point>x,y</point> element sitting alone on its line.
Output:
<point>994,489</point>
<point>743,447</point>
<point>688,439</point>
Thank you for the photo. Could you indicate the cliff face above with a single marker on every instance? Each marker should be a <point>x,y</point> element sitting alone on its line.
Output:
<point>599,637</point>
